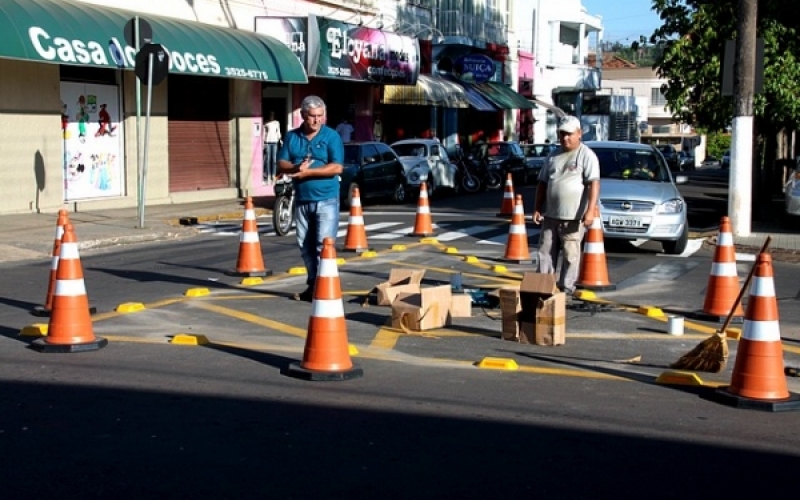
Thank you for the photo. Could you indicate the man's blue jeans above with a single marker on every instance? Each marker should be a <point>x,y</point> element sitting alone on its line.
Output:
<point>270,160</point>
<point>315,221</point>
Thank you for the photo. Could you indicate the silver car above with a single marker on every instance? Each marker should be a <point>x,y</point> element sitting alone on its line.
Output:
<point>791,193</point>
<point>426,160</point>
<point>638,197</point>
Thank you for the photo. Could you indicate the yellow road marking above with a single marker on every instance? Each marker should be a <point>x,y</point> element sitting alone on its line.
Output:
<point>572,373</point>
<point>252,318</point>
<point>154,305</point>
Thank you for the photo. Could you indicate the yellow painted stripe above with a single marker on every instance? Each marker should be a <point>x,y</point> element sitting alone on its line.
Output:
<point>154,305</point>
<point>386,338</point>
<point>572,373</point>
<point>252,318</point>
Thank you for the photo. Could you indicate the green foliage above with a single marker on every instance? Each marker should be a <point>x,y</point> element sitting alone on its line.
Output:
<point>717,143</point>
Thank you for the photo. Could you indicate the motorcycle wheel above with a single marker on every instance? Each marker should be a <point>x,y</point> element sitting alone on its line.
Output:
<point>470,183</point>
<point>493,180</point>
<point>282,215</point>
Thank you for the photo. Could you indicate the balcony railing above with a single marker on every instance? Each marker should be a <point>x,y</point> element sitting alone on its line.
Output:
<point>457,24</point>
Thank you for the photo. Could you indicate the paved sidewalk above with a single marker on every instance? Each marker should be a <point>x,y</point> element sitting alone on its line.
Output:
<point>30,236</point>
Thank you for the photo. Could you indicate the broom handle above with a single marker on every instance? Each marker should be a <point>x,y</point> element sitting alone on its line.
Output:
<point>747,281</point>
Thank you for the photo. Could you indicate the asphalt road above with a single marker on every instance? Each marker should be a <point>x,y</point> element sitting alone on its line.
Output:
<point>144,418</point>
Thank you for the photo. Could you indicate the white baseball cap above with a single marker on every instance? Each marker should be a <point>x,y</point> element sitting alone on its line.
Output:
<point>569,124</point>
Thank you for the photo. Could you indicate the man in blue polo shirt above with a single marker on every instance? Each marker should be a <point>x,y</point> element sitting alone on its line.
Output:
<point>312,155</point>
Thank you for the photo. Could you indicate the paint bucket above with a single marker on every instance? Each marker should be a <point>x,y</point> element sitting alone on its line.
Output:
<point>675,325</point>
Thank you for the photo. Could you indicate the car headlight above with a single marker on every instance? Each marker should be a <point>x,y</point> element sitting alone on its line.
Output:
<point>674,206</point>
<point>418,175</point>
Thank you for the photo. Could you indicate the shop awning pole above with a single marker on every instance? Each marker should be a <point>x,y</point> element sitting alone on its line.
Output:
<point>140,184</point>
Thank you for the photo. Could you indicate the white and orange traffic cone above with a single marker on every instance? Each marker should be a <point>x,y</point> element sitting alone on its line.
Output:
<point>356,239</point>
<point>594,267</point>
<point>327,354</point>
<point>63,219</point>
<point>723,281</point>
<point>423,224</point>
<point>250,261</point>
<point>507,206</point>
<point>70,328</point>
<point>517,242</point>
<point>758,380</point>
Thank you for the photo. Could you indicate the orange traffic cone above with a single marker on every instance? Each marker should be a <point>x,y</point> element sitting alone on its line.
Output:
<point>356,239</point>
<point>423,225</point>
<point>70,327</point>
<point>63,219</point>
<point>326,355</point>
<point>758,380</point>
<point>507,207</point>
<point>517,243</point>
<point>594,269</point>
<point>723,282</point>
<point>250,261</point>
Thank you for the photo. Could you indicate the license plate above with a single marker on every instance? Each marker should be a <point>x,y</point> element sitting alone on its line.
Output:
<point>625,222</point>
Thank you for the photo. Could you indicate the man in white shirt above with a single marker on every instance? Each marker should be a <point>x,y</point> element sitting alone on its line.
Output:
<point>345,131</point>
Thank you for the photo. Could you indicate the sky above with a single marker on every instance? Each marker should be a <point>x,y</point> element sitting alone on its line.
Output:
<point>624,20</point>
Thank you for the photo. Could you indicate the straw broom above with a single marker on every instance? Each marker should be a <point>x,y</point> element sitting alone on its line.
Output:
<point>712,353</point>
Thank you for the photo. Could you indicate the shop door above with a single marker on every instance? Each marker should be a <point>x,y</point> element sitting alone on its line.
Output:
<point>199,133</point>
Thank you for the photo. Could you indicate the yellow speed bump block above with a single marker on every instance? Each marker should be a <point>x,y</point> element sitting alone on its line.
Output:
<point>35,330</point>
<point>650,311</point>
<point>298,270</point>
<point>429,240</point>
<point>252,281</point>
<point>498,364</point>
<point>352,350</point>
<point>369,254</point>
<point>451,250</point>
<point>471,259</point>
<point>130,307</point>
<point>197,292</point>
<point>189,339</point>
<point>500,268</point>
<point>399,248</point>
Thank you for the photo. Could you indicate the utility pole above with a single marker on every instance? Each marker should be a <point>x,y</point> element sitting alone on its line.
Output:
<point>740,196</point>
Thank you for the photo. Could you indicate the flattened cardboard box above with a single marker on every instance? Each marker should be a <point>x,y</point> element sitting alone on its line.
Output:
<point>400,281</point>
<point>536,313</point>
<point>427,309</point>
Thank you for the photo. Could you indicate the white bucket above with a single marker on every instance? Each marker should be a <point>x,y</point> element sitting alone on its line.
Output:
<point>675,325</point>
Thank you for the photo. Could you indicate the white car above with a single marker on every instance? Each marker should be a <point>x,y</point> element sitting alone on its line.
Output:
<point>426,160</point>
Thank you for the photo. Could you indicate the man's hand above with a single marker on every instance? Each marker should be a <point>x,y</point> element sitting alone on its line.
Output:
<point>588,218</point>
<point>301,169</point>
<point>537,217</point>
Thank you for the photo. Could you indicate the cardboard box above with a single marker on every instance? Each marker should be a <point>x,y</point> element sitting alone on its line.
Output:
<point>400,281</point>
<point>461,306</point>
<point>536,313</point>
<point>426,309</point>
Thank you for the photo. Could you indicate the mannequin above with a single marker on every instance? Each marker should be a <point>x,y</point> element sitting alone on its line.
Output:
<point>377,129</point>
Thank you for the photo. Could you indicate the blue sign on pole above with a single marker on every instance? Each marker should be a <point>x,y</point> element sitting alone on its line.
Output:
<point>475,68</point>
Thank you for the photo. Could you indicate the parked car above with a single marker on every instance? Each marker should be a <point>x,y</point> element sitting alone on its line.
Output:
<point>685,162</point>
<point>726,159</point>
<point>638,196</point>
<point>670,154</point>
<point>535,155</point>
<point>791,194</point>
<point>375,169</point>
<point>426,160</point>
<point>711,161</point>
<point>504,157</point>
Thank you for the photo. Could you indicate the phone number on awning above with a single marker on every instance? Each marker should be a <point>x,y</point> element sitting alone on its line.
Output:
<point>251,74</point>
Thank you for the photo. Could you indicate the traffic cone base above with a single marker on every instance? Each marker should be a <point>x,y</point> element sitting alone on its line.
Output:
<point>42,345</point>
<point>725,396</point>
<point>250,261</point>
<point>517,242</point>
<point>326,356</point>
<point>594,268</point>
<point>723,280</point>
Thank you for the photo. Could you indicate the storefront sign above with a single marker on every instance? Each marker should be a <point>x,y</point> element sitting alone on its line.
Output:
<point>475,68</point>
<point>292,31</point>
<point>92,139</point>
<point>352,52</point>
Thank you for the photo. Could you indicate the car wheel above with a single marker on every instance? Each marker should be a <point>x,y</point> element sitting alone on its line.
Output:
<point>400,194</point>
<point>430,184</point>
<point>678,246</point>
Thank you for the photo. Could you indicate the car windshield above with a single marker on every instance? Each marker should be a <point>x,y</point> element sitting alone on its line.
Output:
<point>410,150</point>
<point>635,164</point>
<point>498,150</point>
<point>537,150</point>
<point>351,154</point>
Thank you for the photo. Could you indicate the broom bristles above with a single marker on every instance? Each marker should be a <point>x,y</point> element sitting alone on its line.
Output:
<point>710,356</point>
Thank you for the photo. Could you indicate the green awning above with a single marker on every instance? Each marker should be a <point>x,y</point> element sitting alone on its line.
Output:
<point>65,32</point>
<point>503,96</point>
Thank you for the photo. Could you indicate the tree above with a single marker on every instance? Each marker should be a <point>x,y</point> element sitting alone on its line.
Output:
<point>693,36</point>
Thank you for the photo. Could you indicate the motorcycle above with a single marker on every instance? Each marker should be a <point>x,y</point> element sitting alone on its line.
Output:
<point>467,176</point>
<point>283,210</point>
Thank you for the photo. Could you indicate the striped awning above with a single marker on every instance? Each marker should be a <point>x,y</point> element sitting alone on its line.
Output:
<point>430,90</point>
